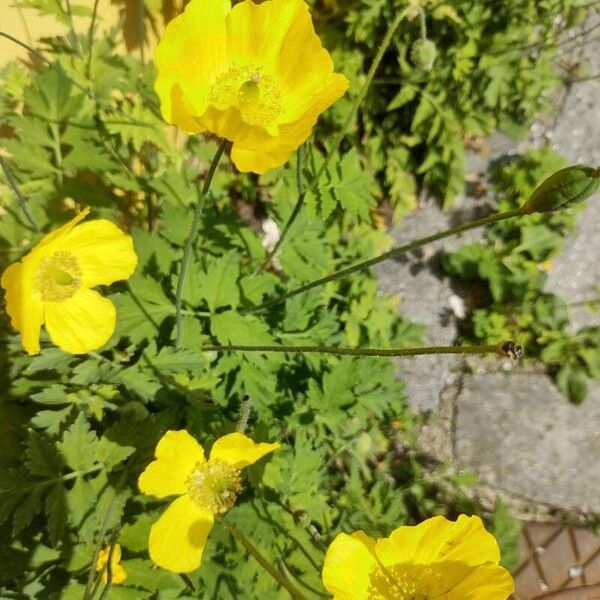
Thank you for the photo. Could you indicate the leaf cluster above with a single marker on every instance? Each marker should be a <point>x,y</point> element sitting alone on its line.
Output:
<point>80,429</point>
<point>505,278</point>
<point>494,66</point>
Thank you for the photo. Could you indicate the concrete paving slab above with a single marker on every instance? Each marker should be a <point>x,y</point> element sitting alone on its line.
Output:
<point>576,134</point>
<point>520,434</point>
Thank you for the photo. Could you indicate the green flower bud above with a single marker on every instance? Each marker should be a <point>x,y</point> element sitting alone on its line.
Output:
<point>563,189</point>
<point>423,53</point>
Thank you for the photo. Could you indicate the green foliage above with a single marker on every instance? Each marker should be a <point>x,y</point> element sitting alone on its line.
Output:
<point>82,428</point>
<point>487,66</point>
<point>506,278</point>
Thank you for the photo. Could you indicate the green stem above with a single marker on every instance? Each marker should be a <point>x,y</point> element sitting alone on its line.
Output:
<point>191,240</point>
<point>87,594</point>
<point>394,252</point>
<point>12,182</point>
<point>142,29</point>
<point>58,157</point>
<point>340,135</point>
<point>46,482</point>
<point>417,351</point>
<point>88,68</point>
<point>261,560</point>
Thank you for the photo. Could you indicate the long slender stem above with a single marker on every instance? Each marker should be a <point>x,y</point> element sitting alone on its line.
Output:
<point>342,132</point>
<point>58,157</point>
<point>191,240</point>
<point>502,349</point>
<point>12,182</point>
<point>109,573</point>
<point>88,68</point>
<point>390,254</point>
<point>261,560</point>
<point>142,29</point>
<point>87,595</point>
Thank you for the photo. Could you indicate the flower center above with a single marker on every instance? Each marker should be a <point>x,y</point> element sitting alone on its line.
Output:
<point>255,94</point>
<point>58,276</point>
<point>215,485</point>
<point>405,582</point>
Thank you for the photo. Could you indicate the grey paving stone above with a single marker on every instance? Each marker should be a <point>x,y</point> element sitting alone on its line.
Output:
<point>417,279</point>
<point>518,433</point>
<point>426,294</point>
<point>576,134</point>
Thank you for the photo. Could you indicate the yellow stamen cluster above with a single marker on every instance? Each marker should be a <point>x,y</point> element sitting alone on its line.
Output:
<point>215,485</point>
<point>404,582</point>
<point>58,276</point>
<point>255,94</point>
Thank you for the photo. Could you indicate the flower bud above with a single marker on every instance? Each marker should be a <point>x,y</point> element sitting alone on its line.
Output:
<point>563,189</point>
<point>422,54</point>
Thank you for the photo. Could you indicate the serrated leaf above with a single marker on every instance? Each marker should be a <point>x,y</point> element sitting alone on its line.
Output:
<point>144,574</point>
<point>134,536</point>
<point>27,509</point>
<point>79,445</point>
<point>111,454</point>
<point>51,420</point>
<point>218,286</point>
<point>80,499</point>
<point>54,394</point>
<point>41,457</point>
<point>176,361</point>
<point>57,512</point>
<point>232,328</point>
<point>141,312</point>
<point>49,358</point>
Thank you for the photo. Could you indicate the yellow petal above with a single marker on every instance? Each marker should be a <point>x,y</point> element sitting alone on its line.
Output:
<point>116,557</point>
<point>119,575</point>
<point>104,253</point>
<point>81,323</point>
<point>177,539</point>
<point>23,304</point>
<point>437,540</point>
<point>486,582</point>
<point>305,70</point>
<point>256,33</point>
<point>256,151</point>
<point>348,565</point>
<point>239,450</point>
<point>177,453</point>
<point>191,52</point>
<point>61,232</point>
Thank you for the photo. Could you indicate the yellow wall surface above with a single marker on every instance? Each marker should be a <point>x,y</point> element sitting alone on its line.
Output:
<point>27,25</point>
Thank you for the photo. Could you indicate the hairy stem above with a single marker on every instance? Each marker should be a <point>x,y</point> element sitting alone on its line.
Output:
<point>12,182</point>
<point>191,240</point>
<point>261,560</point>
<point>88,68</point>
<point>394,252</point>
<point>503,349</point>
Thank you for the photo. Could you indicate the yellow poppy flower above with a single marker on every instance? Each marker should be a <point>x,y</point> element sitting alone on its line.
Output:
<point>256,75</point>
<point>205,488</point>
<point>52,285</point>
<point>118,573</point>
<point>437,559</point>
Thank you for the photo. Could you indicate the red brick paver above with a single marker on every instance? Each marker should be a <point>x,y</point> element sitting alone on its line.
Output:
<point>557,558</point>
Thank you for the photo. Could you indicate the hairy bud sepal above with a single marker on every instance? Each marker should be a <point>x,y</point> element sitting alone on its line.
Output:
<point>423,54</point>
<point>564,188</point>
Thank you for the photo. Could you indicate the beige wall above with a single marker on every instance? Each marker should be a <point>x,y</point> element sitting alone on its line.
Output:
<point>28,26</point>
